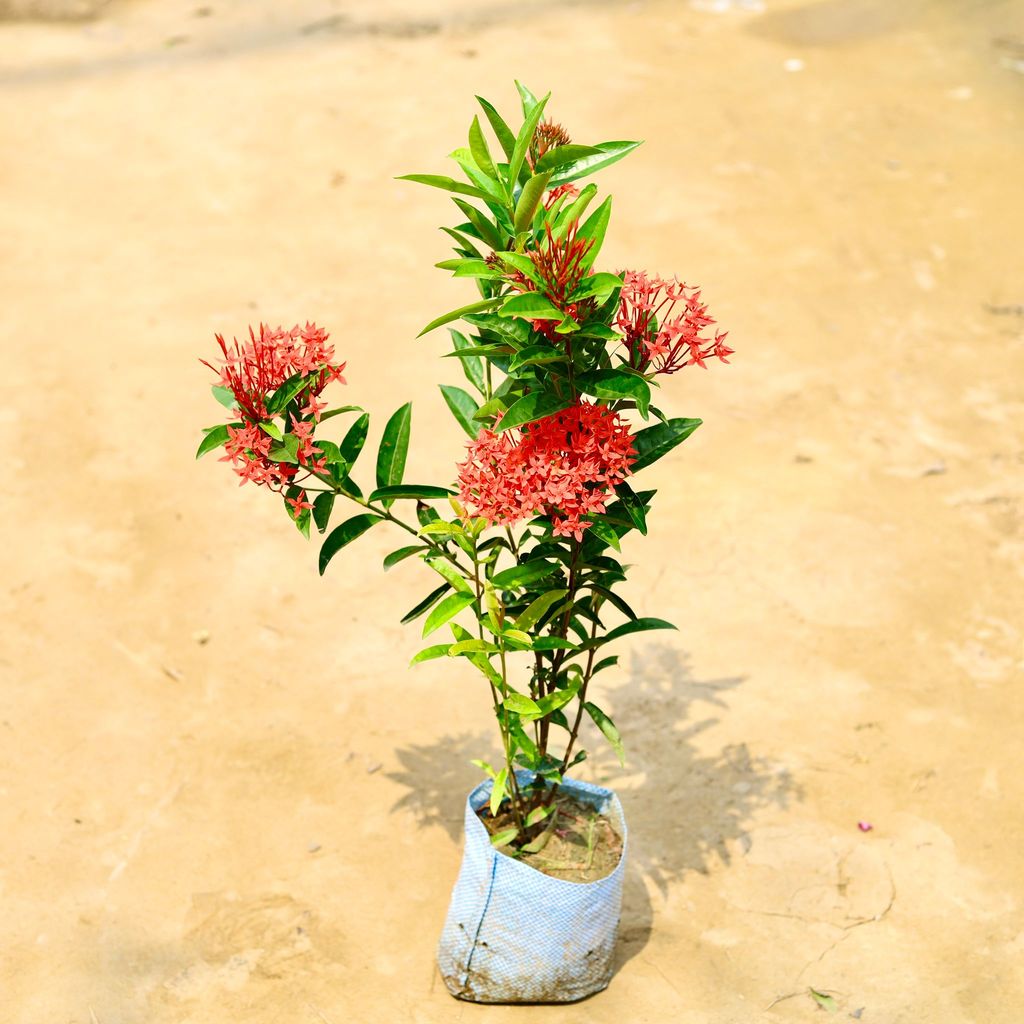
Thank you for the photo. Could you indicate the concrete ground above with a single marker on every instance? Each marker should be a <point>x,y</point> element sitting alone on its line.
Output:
<point>224,796</point>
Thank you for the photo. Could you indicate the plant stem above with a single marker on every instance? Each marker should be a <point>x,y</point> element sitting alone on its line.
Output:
<point>500,711</point>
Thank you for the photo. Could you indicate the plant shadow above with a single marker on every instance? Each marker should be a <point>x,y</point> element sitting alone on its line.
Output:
<point>688,809</point>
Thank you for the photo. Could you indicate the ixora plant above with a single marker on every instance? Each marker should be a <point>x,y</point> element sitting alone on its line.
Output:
<point>561,360</point>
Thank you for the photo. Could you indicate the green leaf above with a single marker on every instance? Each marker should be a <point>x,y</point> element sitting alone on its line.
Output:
<point>421,491</point>
<point>604,154</point>
<point>554,643</point>
<point>286,392</point>
<point>532,306</point>
<point>654,442</point>
<point>558,157</point>
<point>478,147</point>
<point>536,355</point>
<point>573,211</point>
<point>322,507</point>
<point>529,200</point>
<point>633,505</point>
<point>602,331</point>
<point>286,452</point>
<point>271,429</point>
<point>345,534</point>
<point>339,411</point>
<point>457,314</point>
<point>616,384</point>
<point>215,437</point>
<point>636,626</point>
<point>502,132</point>
<point>524,138</point>
<point>498,791</point>
<point>446,570</point>
<point>538,608</point>
<point>538,814</point>
<point>530,754</point>
<point>538,844</point>
<point>465,246</point>
<point>431,598</point>
<point>529,100</point>
<point>471,268</point>
<point>825,1001</point>
<point>447,609</point>
<point>594,227</point>
<point>521,575</point>
<point>479,178</point>
<point>520,704</point>
<point>516,636</point>
<point>485,230</point>
<point>484,767</point>
<point>533,406</point>
<point>607,726</point>
<point>504,837</point>
<point>472,364</point>
<point>558,699</point>
<point>522,263</point>
<point>598,286</point>
<point>472,646</point>
<point>615,600</point>
<point>401,554</point>
<point>225,396</point>
<point>446,183</point>
<point>355,438</point>
<point>489,410</point>
<point>436,651</point>
<point>463,408</point>
<point>394,446</point>
<point>440,528</point>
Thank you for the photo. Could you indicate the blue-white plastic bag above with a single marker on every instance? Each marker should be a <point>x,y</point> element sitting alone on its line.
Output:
<point>515,935</point>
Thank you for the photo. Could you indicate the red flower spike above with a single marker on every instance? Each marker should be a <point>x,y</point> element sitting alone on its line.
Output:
<point>558,191</point>
<point>564,466</point>
<point>559,263</point>
<point>546,136</point>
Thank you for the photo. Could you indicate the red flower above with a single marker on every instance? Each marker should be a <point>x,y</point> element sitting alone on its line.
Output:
<point>564,465</point>
<point>298,504</point>
<point>558,191</point>
<point>253,371</point>
<point>664,325</point>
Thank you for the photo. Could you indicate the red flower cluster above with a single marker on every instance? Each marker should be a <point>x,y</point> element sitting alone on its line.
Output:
<point>564,465</point>
<point>656,333</point>
<point>253,371</point>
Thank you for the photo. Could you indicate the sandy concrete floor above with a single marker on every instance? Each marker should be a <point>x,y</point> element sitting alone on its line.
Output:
<point>264,827</point>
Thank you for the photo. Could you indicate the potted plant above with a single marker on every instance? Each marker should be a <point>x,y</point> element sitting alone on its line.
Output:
<point>561,360</point>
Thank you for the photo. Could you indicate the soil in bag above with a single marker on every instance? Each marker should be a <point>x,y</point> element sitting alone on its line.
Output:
<point>575,843</point>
